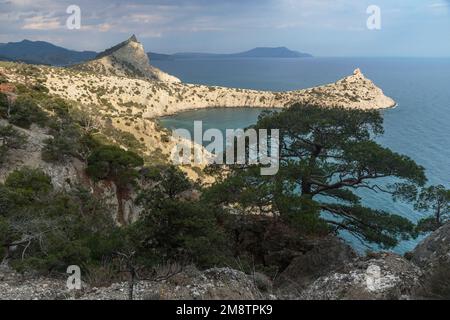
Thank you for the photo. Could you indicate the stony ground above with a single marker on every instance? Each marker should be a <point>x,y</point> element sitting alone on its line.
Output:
<point>190,284</point>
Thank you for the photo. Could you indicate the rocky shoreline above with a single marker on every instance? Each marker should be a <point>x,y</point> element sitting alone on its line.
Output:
<point>122,80</point>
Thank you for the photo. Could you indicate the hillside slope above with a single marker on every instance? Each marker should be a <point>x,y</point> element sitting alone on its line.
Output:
<point>41,52</point>
<point>127,59</point>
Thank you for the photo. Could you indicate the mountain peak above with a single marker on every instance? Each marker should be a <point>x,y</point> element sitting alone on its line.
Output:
<point>128,59</point>
<point>133,38</point>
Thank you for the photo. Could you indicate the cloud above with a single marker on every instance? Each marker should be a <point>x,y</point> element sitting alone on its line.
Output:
<point>318,26</point>
<point>41,23</point>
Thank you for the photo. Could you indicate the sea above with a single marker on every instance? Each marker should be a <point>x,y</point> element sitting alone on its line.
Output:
<point>419,126</point>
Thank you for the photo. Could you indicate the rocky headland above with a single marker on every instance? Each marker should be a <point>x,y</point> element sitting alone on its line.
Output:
<point>125,94</point>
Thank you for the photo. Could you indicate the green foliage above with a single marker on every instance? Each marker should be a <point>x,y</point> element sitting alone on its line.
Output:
<point>171,182</point>
<point>29,180</point>
<point>437,200</point>
<point>23,113</point>
<point>175,229</point>
<point>325,156</point>
<point>57,149</point>
<point>180,231</point>
<point>125,139</point>
<point>67,141</point>
<point>427,224</point>
<point>112,162</point>
<point>52,229</point>
<point>3,105</point>
<point>3,79</point>
<point>10,138</point>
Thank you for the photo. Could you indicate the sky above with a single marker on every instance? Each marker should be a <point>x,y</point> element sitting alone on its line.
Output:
<point>418,28</point>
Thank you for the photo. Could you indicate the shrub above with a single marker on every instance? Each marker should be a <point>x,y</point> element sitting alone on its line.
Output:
<point>173,229</point>
<point>10,138</point>
<point>23,113</point>
<point>66,142</point>
<point>112,162</point>
<point>3,79</point>
<point>3,105</point>
<point>29,180</point>
<point>53,229</point>
<point>57,149</point>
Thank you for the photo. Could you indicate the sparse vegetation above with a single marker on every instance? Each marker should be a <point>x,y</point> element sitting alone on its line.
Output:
<point>10,138</point>
<point>23,113</point>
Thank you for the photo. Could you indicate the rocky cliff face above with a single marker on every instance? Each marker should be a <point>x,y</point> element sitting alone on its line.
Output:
<point>122,81</point>
<point>434,250</point>
<point>433,256</point>
<point>421,274</point>
<point>153,99</point>
<point>383,276</point>
<point>66,175</point>
<point>127,59</point>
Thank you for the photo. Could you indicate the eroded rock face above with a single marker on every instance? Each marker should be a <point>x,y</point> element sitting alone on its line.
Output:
<point>433,249</point>
<point>433,256</point>
<point>325,256</point>
<point>127,59</point>
<point>383,276</point>
<point>65,176</point>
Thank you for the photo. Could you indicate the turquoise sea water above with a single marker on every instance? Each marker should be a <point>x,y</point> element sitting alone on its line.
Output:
<point>419,127</point>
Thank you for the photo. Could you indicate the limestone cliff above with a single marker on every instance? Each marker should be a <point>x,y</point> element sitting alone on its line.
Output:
<point>121,88</point>
<point>127,59</point>
<point>151,99</point>
<point>122,81</point>
<point>65,176</point>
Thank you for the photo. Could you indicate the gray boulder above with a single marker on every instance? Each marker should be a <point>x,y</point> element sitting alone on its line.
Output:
<point>383,276</point>
<point>433,256</point>
<point>433,249</point>
<point>324,256</point>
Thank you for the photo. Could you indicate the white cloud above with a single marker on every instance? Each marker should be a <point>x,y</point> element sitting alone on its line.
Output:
<point>42,23</point>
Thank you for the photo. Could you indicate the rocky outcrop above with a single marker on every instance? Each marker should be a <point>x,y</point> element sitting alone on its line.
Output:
<point>121,80</point>
<point>190,284</point>
<point>66,175</point>
<point>119,86</point>
<point>432,255</point>
<point>324,256</point>
<point>15,286</point>
<point>383,276</point>
<point>433,249</point>
<point>127,59</point>
<point>63,175</point>
<point>152,99</point>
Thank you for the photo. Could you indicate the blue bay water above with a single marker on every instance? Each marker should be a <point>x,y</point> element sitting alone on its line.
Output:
<point>419,127</point>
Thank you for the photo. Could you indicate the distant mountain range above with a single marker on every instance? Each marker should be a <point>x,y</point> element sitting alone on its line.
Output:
<point>41,52</point>
<point>263,52</point>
